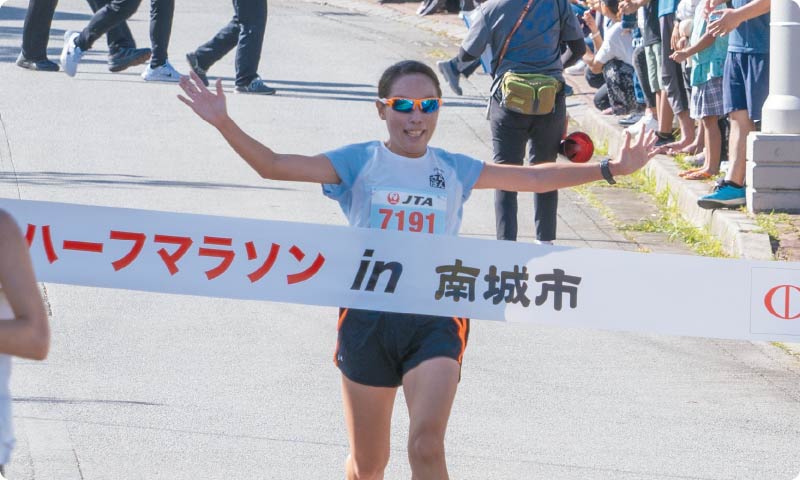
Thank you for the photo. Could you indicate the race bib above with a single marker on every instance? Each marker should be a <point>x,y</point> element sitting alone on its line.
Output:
<point>407,211</point>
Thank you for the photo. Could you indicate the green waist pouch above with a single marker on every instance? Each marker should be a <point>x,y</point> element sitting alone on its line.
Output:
<point>529,93</point>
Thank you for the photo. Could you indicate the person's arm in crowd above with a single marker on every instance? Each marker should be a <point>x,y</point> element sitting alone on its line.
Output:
<point>553,176</point>
<point>578,49</point>
<point>681,55</point>
<point>730,18</point>
<point>710,5</point>
<point>268,164</point>
<point>27,335</point>
<point>597,41</point>
<point>628,7</point>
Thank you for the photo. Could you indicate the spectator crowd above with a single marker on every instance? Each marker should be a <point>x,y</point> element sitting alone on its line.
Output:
<point>699,65</point>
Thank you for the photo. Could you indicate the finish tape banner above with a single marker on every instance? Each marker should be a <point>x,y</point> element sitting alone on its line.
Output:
<point>410,272</point>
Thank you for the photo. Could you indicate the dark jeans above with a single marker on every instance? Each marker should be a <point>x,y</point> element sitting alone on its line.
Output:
<point>36,29</point>
<point>120,36</point>
<point>598,81</point>
<point>465,67</point>
<point>245,32</point>
<point>161,12</point>
<point>511,132</point>
<point>108,14</point>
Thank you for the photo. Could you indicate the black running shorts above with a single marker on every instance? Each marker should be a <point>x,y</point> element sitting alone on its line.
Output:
<point>378,348</point>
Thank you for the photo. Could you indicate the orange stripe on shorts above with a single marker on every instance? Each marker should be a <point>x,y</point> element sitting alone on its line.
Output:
<point>462,335</point>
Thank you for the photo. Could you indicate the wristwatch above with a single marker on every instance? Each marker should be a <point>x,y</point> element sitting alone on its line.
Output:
<point>606,171</point>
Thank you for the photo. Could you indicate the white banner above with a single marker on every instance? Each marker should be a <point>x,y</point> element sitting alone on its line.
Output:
<point>410,272</point>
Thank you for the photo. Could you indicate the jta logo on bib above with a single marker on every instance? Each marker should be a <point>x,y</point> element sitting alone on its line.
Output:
<point>408,211</point>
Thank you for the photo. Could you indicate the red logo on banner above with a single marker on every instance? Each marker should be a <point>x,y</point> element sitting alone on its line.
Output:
<point>393,198</point>
<point>783,302</point>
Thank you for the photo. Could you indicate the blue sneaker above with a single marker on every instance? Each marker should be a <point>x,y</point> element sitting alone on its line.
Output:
<point>724,195</point>
<point>568,90</point>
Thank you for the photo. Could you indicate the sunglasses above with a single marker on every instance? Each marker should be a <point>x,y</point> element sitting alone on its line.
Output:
<point>406,105</point>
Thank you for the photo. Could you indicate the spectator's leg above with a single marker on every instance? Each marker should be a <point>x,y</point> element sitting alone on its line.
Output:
<point>253,22</point>
<point>619,81</point>
<point>223,42</point>
<point>161,13</point>
<point>752,82</point>
<point>672,77</point>
<point>36,29</point>
<point>113,13</point>
<point>470,68</point>
<point>509,138</point>
<point>119,38</point>
<point>545,135</point>
<point>741,126</point>
<point>595,80</point>
<point>601,99</point>
<point>713,144</point>
<point>640,64</point>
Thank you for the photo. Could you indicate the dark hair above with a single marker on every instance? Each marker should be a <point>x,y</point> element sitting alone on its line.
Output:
<point>406,67</point>
<point>612,5</point>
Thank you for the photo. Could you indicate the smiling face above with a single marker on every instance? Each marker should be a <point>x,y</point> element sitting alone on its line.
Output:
<point>409,133</point>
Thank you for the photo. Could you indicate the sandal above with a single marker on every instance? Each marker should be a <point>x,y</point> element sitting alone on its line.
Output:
<point>684,173</point>
<point>698,175</point>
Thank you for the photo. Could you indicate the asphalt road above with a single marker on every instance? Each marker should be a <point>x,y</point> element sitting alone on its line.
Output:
<point>156,386</point>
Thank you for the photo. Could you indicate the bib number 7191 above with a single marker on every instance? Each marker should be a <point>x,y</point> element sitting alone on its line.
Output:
<point>415,222</point>
<point>406,211</point>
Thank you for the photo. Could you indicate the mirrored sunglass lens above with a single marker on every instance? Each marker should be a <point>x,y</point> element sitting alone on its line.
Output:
<point>430,105</point>
<point>403,105</point>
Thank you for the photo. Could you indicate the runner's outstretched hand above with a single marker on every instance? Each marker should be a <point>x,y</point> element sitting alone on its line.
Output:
<point>634,157</point>
<point>206,105</point>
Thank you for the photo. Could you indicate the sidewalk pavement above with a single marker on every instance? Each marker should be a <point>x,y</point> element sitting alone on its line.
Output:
<point>738,231</point>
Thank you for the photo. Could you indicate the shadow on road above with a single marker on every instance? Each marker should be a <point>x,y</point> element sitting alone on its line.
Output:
<point>82,180</point>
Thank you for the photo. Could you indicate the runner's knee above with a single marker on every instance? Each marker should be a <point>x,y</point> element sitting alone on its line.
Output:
<point>425,448</point>
<point>369,467</point>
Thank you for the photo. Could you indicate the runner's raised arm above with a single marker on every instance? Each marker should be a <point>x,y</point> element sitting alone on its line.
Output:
<point>269,164</point>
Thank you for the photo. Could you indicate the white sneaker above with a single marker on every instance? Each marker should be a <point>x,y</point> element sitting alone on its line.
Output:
<point>164,73</point>
<point>576,69</point>
<point>648,122</point>
<point>70,54</point>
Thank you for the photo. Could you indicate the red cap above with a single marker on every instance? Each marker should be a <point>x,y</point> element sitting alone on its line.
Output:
<point>577,147</point>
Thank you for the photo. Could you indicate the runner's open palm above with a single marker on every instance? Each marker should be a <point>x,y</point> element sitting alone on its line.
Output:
<point>633,157</point>
<point>209,106</point>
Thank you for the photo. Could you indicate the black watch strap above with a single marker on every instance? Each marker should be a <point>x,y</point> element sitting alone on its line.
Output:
<point>606,171</point>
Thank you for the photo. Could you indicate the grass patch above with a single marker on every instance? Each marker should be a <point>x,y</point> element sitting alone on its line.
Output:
<point>602,150</point>
<point>438,54</point>
<point>669,220</point>
<point>786,349</point>
<point>770,223</point>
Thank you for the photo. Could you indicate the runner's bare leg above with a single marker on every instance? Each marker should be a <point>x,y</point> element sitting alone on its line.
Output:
<point>429,389</point>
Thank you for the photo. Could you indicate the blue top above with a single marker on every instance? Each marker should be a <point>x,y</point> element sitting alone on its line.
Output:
<point>536,45</point>
<point>665,7</point>
<point>709,63</point>
<point>751,36</point>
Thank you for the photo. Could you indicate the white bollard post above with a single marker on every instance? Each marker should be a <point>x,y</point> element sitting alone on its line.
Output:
<point>773,169</point>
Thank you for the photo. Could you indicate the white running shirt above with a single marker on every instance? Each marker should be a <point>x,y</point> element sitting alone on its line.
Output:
<point>383,190</point>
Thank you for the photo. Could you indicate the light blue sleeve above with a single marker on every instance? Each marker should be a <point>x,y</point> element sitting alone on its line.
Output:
<point>467,170</point>
<point>348,161</point>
